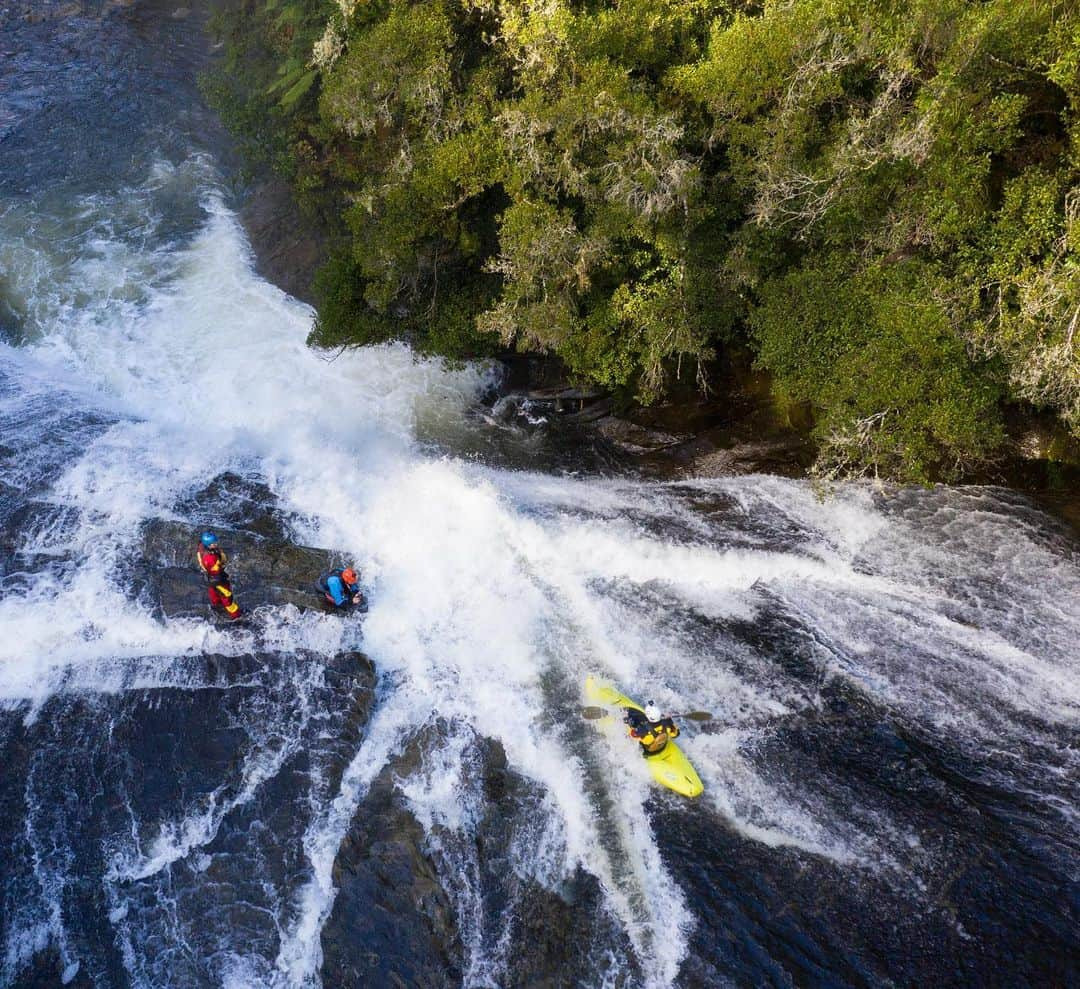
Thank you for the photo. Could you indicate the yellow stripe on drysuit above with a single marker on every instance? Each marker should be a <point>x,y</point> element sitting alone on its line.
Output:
<point>230,606</point>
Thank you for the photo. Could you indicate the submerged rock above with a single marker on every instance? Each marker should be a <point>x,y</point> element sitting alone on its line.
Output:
<point>176,815</point>
<point>48,969</point>
<point>32,536</point>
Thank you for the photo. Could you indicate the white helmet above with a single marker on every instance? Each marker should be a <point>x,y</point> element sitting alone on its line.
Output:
<point>652,712</point>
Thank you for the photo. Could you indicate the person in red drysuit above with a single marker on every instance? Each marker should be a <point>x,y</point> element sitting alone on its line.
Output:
<point>211,559</point>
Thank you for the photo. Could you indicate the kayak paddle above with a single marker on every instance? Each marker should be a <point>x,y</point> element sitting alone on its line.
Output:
<point>595,713</point>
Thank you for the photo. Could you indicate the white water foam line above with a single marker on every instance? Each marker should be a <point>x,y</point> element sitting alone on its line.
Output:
<point>199,827</point>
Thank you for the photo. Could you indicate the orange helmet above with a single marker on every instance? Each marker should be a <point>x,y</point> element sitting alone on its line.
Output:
<point>349,575</point>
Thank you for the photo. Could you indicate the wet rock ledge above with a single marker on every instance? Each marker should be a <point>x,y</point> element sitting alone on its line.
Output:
<point>737,430</point>
<point>265,572</point>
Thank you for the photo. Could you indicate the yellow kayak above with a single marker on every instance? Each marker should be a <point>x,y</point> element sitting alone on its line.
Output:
<point>669,767</point>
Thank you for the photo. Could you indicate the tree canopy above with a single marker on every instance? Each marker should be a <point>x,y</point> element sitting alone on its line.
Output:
<point>879,199</point>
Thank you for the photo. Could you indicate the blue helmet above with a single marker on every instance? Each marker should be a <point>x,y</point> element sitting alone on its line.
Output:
<point>208,539</point>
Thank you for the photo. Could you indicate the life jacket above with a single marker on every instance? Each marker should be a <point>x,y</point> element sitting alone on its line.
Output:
<point>323,584</point>
<point>212,563</point>
<point>653,735</point>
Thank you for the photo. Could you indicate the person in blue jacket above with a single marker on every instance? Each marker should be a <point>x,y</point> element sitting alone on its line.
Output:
<point>341,588</point>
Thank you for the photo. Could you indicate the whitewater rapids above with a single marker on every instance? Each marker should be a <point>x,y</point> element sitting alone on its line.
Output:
<point>893,675</point>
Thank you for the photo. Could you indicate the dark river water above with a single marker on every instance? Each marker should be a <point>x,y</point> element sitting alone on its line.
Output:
<point>892,770</point>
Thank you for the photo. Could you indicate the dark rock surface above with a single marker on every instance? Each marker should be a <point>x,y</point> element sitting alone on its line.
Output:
<point>288,246</point>
<point>396,917</point>
<point>140,761</point>
<point>739,430</point>
<point>392,922</point>
<point>32,537</point>
<point>267,569</point>
<point>264,571</point>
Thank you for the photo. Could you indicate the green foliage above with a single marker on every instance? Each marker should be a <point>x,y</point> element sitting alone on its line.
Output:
<point>298,88</point>
<point>882,199</point>
<point>260,84</point>
<point>344,316</point>
<point>395,73</point>
<point>874,350</point>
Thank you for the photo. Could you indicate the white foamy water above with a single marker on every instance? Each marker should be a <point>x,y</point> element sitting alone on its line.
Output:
<point>493,594</point>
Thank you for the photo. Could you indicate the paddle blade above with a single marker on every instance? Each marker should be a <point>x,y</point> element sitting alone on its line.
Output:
<point>593,713</point>
<point>696,716</point>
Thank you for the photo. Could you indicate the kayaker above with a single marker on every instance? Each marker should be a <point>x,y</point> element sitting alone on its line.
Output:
<point>211,559</point>
<point>651,728</point>
<point>341,588</point>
